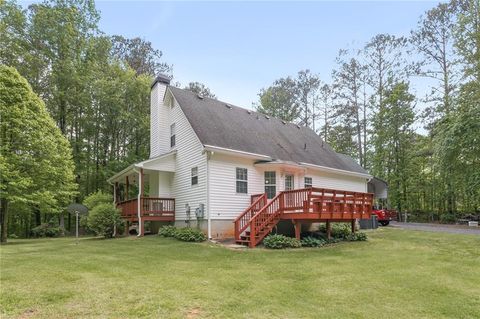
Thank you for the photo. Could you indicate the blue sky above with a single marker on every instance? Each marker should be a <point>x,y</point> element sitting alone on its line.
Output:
<point>237,48</point>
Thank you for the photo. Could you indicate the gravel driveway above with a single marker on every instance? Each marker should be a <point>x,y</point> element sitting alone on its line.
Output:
<point>454,229</point>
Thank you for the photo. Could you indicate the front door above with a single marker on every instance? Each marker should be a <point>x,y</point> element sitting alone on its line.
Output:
<point>289,182</point>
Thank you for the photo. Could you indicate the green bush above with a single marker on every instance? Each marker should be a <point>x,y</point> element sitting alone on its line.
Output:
<point>13,236</point>
<point>339,230</point>
<point>312,242</point>
<point>102,220</point>
<point>167,231</point>
<point>189,234</point>
<point>275,241</point>
<point>98,198</point>
<point>357,237</point>
<point>47,230</point>
<point>448,218</point>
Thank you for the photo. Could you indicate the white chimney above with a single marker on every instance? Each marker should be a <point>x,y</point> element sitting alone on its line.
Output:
<point>159,117</point>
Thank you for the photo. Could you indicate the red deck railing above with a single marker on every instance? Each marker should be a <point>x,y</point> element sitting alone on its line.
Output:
<point>150,207</point>
<point>243,220</point>
<point>307,203</point>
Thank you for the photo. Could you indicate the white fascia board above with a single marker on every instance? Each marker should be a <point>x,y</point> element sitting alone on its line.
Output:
<point>121,173</point>
<point>153,159</point>
<point>336,170</point>
<point>229,151</point>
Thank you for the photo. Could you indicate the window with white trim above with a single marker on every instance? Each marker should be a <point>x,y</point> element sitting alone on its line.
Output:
<point>195,175</point>
<point>289,182</point>
<point>242,180</point>
<point>308,182</point>
<point>270,184</point>
<point>172,135</point>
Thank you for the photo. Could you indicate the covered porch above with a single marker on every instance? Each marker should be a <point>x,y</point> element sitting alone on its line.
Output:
<point>142,192</point>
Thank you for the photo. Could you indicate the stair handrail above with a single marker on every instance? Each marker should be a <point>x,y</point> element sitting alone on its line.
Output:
<point>252,222</point>
<point>260,202</point>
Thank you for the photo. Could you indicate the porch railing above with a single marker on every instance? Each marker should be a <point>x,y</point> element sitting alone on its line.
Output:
<point>150,206</point>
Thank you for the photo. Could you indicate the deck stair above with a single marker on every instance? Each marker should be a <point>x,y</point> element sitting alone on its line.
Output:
<point>311,204</point>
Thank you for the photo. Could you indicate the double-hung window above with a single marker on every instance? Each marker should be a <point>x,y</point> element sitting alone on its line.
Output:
<point>270,184</point>
<point>172,135</point>
<point>195,175</point>
<point>242,180</point>
<point>308,182</point>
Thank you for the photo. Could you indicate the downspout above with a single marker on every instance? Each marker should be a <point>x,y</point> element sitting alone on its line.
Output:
<point>209,221</point>
<point>139,215</point>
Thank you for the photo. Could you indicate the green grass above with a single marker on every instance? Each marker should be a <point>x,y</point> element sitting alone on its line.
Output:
<point>395,274</point>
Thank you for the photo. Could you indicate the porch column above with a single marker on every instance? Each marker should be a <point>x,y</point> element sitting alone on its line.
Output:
<point>298,228</point>
<point>329,229</point>
<point>141,230</point>
<point>126,188</point>
<point>115,187</point>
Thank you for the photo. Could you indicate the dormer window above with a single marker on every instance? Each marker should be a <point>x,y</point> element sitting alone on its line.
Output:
<point>172,135</point>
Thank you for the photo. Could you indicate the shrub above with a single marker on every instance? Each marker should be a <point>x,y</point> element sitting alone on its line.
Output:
<point>280,242</point>
<point>448,218</point>
<point>189,234</point>
<point>13,236</point>
<point>357,237</point>
<point>95,199</point>
<point>312,242</point>
<point>339,230</point>
<point>103,218</point>
<point>47,230</point>
<point>167,231</point>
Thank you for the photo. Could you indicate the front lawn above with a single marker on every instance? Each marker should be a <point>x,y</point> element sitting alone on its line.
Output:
<point>395,274</point>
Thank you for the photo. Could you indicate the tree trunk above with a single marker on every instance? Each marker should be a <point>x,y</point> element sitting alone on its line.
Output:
<point>3,220</point>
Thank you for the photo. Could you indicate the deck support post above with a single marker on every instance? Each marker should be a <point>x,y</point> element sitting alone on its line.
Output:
<point>127,225</point>
<point>353,226</point>
<point>298,228</point>
<point>329,230</point>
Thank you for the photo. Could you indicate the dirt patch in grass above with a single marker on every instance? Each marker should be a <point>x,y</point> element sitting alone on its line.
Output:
<point>30,313</point>
<point>194,313</point>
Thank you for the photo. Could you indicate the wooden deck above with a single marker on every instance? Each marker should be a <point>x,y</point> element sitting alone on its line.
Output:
<point>152,209</point>
<point>300,205</point>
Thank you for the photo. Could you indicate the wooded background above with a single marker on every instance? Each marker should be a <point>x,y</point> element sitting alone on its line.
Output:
<point>96,87</point>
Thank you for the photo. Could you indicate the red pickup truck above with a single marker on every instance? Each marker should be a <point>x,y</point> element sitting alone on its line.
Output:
<point>384,216</point>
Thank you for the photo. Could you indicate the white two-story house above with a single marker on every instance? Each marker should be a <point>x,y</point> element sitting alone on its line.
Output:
<point>210,160</point>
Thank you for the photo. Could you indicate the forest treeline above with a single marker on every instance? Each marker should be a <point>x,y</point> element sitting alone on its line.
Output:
<point>427,147</point>
<point>96,87</point>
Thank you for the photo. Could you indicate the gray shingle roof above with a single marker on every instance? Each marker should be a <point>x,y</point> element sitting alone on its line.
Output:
<point>221,124</point>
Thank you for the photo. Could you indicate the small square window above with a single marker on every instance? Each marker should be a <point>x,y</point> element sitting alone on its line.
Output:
<point>308,182</point>
<point>194,175</point>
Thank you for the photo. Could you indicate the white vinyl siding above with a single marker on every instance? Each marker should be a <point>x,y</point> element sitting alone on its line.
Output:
<point>189,154</point>
<point>225,202</point>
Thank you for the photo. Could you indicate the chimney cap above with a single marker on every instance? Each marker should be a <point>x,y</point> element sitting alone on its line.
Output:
<point>161,78</point>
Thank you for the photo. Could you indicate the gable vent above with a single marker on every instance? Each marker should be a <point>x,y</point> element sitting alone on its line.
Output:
<point>200,96</point>
<point>228,106</point>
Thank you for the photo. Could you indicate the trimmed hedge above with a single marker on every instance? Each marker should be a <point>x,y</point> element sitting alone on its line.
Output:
<point>275,241</point>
